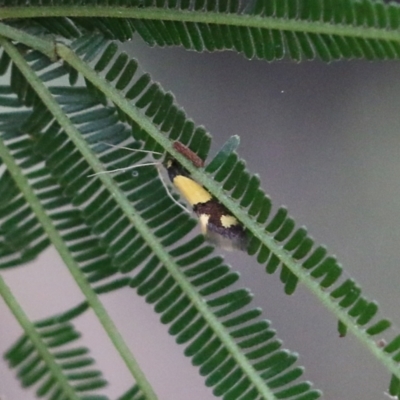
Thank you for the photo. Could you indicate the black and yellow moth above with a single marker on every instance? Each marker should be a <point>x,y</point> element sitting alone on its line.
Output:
<point>217,224</point>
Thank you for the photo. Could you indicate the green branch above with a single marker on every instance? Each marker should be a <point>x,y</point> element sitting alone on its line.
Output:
<point>43,45</point>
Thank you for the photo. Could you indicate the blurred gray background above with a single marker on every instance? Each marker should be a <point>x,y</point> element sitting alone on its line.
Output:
<point>325,140</point>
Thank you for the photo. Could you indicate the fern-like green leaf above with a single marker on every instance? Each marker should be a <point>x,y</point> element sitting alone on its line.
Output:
<point>264,29</point>
<point>127,227</point>
<point>76,361</point>
<point>104,246</point>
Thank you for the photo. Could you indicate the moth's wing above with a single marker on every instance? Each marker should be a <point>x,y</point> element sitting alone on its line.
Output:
<point>228,238</point>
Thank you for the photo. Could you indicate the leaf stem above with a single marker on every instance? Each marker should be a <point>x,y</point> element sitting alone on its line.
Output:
<point>45,46</point>
<point>207,17</point>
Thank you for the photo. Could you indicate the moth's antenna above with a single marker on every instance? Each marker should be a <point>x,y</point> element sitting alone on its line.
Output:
<point>128,148</point>
<point>157,164</point>
<point>124,169</point>
<point>132,166</point>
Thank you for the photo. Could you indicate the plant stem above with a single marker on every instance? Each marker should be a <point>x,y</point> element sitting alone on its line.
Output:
<point>207,17</point>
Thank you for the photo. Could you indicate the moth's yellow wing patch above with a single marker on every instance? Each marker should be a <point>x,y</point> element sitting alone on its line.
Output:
<point>191,190</point>
<point>228,221</point>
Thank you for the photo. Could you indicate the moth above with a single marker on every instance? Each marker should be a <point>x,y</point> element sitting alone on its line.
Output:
<point>217,224</point>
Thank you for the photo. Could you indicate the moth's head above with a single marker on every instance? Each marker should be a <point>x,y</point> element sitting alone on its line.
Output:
<point>173,168</point>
